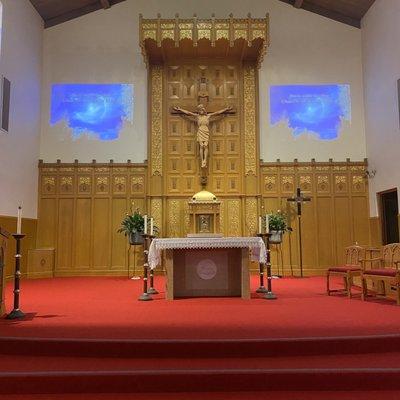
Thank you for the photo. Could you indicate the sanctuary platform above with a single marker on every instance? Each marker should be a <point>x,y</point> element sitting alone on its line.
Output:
<point>107,308</point>
<point>91,335</point>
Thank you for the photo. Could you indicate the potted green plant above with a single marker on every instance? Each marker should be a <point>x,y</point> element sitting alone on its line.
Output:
<point>133,227</point>
<point>277,226</point>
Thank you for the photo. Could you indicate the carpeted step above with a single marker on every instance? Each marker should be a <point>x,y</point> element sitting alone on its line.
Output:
<point>259,380</point>
<point>282,395</point>
<point>216,348</point>
<point>13,363</point>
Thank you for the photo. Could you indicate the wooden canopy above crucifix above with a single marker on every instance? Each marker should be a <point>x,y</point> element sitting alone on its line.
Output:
<point>231,39</point>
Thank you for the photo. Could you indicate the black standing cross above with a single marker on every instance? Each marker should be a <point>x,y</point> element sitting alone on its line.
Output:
<point>299,199</point>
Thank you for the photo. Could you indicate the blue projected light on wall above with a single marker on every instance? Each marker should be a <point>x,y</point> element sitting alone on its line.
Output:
<point>98,110</point>
<point>316,109</point>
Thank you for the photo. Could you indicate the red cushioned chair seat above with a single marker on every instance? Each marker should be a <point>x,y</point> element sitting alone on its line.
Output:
<point>382,272</point>
<point>344,268</point>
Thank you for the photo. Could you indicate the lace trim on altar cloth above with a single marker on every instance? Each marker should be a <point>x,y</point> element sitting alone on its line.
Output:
<point>255,244</point>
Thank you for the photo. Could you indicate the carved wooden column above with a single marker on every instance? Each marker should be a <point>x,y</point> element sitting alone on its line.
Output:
<point>156,183</point>
<point>3,244</point>
<point>251,148</point>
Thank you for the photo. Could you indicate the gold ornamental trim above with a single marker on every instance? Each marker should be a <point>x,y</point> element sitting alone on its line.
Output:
<point>250,120</point>
<point>251,216</point>
<point>156,120</point>
<point>212,29</point>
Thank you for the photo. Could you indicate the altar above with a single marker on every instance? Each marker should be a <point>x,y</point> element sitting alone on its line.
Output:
<point>207,267</point>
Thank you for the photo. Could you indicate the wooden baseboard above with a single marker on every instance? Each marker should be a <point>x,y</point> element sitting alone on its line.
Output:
<point>39,275</point>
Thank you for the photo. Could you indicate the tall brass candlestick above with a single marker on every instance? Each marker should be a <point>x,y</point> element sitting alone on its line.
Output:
<point>268,293</point>
<point>151,289</point>
<point>146,296</point>
<point>262,288</point>
<point>16,313</point>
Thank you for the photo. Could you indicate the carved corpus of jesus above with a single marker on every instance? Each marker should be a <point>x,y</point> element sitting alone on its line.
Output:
<point>203,120</point>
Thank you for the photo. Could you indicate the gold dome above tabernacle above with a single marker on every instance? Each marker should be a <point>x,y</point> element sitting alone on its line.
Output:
<point>204,196</point>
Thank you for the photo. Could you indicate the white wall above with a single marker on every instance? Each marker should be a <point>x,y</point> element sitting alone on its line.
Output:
<point>381,54</point>
<point>309,49</point>
<point>21,63</point>
<point>104,47</point>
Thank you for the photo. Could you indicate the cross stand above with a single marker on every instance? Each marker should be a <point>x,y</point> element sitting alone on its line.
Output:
<point>16,313</point>
<point>268,293</point>
<point>299,199</point>
<point>146,296</point>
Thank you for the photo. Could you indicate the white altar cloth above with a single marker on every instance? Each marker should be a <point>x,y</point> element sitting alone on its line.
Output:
<point>255,244</point>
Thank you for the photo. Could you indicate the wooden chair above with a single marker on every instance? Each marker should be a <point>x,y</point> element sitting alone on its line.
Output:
<point>351,268</point>
<point>387,270</point>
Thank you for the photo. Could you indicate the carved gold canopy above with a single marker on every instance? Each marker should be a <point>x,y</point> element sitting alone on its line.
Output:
<point>232,39</point>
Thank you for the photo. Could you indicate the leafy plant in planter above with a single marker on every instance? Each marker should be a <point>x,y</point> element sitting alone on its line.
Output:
<point>277,226</point>
<point>133,226</point>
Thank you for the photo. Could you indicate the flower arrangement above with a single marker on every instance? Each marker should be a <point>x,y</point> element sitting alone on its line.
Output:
<point>133,223</point>
<point>133,226</point>
<point>277,226</point>
<point>278,221</point>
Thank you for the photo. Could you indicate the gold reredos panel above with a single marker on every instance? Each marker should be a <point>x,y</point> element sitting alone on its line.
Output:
<point>232,39</point>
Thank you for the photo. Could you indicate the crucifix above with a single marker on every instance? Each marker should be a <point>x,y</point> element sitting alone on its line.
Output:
<point>299,199</point>
<point>203,119</point>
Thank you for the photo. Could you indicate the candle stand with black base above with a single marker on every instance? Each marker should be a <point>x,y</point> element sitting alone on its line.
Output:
<point>151,289</point>
<point>146,296</point>
<point>262,288</point>
<point>16,313</point>
<point>268,293</point>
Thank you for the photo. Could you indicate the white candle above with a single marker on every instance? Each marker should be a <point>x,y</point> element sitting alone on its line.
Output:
<point>19,220</point>
<point>259,224</point>
<point>267,223</point>
<point>151,226</point>
<point>145,225</point>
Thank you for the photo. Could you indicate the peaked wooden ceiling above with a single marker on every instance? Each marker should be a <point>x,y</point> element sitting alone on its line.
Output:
<point>349,12</point>
<point>55,12</point>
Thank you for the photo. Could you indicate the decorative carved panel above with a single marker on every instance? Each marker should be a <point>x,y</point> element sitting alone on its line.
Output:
<point>84,184</point>
<point>249,109</point>
<point>156,120</point>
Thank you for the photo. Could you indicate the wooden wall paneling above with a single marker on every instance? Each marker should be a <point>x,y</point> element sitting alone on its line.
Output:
<point>376,231</point>
<point>339,209</point>
<point>101,234</point>
<point>325,232</point>
<point>310,231</point>
<point>119,241</point>
<point>82,234</point>
<point>41,263</point>
<point>75,199</point>
<point>360,220</point>
<point>342,232</point>
<point>47,222</point>
<point>65,229</point>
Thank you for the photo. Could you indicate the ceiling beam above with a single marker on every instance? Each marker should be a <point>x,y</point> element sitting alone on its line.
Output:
<point>336,16</point>
<point>325,12</point>
<point>105,4</point>
<point>59,19</point>
<point>298,3</point>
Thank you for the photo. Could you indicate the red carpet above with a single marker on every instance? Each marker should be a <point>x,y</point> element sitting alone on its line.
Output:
<point>320,395</point>
<point>108,308</point>
<point>91,336</point>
